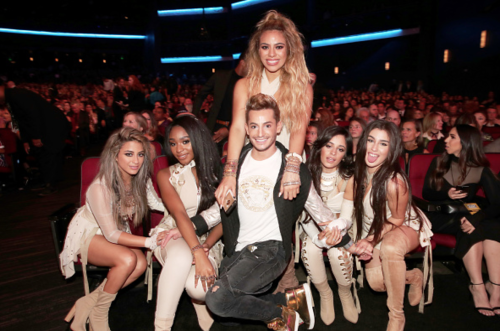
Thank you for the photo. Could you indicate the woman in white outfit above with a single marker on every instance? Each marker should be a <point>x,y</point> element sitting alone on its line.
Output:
<point>187,188</point>
<point>100,233</point>
<point>331,167</point>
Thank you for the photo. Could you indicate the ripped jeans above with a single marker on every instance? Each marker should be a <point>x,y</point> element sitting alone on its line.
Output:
<point>246,277</point>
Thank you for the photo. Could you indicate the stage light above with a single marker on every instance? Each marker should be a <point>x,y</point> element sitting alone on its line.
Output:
<point>71,34</point>
<point>336,70</point>
<point>236,56</point>
<point>484,36</point>
<point>31,59</point>
<point>364,37</point>
<point>194,59</point>
<point>445,56</point>
<point>246,3</point>
<point>103,60</point>
<point>57,60</point>
<point>387,65</point>
<point>190,11</point>
<point>213,70</point>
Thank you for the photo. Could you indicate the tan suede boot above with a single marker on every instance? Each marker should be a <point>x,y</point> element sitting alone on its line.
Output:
<point>204,319</point>
<point>289,280</point>
<point>348,306</point>
<point>82,308</point>
<point>415,278</point>
<point>99,315</point>
<point>326,303</point>
<point>395,281</point>
<point>163,324</point>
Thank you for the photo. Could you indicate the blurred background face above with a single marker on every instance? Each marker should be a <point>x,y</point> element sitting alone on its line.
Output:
<point>312,135</point>
<point>409,132</point>
<point>492,114</point>
<point>355,129</point>
<point>481,119</point>
<point>148,119</point>
<point>393,116</point>
<point>129,121</point>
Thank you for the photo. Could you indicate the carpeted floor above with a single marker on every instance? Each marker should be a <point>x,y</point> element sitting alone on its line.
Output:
<point>451,310</point>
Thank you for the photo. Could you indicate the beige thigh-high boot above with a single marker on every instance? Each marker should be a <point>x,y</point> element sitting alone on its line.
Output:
<point>342,266</point>
<point>312,257</point>
<point>415,278</point>
<point>163,324</point>
<point>197,296</point>
<point>82,308</point>
<point>288,280</point>
<point>395,245</point>
<point>99,315</point>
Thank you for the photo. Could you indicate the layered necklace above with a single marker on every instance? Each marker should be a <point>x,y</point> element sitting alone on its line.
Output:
<point>329,180</point>
<point>128,204</point>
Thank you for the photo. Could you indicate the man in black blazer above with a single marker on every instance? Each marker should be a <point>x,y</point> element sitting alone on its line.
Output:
<point>221,84</point>
<point>43,129</point>
<point>257,233</point>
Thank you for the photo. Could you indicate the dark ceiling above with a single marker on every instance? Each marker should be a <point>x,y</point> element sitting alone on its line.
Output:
<point>134,17</point>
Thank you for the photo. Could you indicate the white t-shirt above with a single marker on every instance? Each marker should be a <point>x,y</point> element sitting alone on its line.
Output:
<point>256,211</point>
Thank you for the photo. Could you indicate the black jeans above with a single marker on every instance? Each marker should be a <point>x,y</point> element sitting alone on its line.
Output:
<point>246,277</point>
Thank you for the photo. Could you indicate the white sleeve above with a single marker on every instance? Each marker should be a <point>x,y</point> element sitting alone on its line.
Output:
<point>321,213</point>
<point>212,215</point>
<point>100,203</point>
<point>154,201</point>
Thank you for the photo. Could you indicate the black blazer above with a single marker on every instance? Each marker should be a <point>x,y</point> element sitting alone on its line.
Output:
<point>288,211</point>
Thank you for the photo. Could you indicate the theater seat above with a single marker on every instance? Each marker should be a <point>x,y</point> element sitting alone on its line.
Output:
<point>494,159</point>
<point>419,164</point>
<point>160,162</point>
<point>431,145</point>
<point>8,139</point>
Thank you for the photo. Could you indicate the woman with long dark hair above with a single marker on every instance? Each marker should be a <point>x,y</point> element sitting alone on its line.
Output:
<point>187,188</point>
<point>387,221</point>
<point>313,131</point>
<point>331,166</point>
<point>453,179</point>
<point>100,233</point>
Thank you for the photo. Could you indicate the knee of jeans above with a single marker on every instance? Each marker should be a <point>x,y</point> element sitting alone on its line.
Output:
<point>217,300</point>
<point>394,245</point>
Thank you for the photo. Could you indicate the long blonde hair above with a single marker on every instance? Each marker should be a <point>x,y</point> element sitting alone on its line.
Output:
<point>294,77</point>
<point>110,175</point>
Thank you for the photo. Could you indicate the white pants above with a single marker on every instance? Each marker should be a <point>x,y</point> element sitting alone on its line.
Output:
<point>176,275</point>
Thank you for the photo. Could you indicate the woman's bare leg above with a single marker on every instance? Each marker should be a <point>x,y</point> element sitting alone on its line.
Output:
<point>491,250</point>
<point>472,261</point>
<point>126,264</point>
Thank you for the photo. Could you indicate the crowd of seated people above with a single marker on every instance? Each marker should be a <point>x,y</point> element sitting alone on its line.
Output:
<point>93,113</point>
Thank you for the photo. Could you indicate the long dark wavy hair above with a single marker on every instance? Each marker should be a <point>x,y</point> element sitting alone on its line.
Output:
<point>346,166</point>
<point>207,158</point>
<point>390,169</point>
<point>471,155</point>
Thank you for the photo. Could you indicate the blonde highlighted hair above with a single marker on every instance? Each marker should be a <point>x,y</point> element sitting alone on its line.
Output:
<point>294,77</point>
<point>110,174</point>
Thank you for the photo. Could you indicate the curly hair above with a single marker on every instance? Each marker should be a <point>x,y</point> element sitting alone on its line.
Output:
<point>294,77</point>
<point>110,174</point>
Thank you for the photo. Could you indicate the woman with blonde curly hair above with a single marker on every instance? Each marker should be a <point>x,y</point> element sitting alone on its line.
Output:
<point>100,233</point>
<point>275,66</point>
